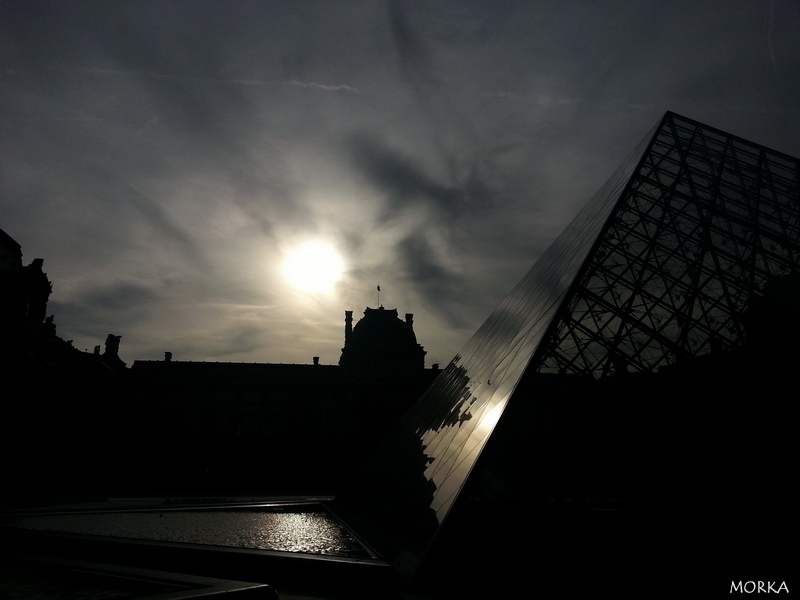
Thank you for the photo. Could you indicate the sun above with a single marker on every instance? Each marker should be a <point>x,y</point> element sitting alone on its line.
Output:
<point>313,267</point>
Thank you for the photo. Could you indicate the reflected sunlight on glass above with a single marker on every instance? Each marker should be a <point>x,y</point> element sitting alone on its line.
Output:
<point>313,267</point>
<point>490,419</point>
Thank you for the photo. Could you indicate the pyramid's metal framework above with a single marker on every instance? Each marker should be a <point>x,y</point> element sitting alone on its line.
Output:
<point>663,265</point>
<point>705,222</point>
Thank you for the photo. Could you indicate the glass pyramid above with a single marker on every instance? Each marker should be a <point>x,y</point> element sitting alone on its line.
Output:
<point>687,253</point>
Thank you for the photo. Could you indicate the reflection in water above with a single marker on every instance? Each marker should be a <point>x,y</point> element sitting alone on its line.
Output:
<point>313,532</point>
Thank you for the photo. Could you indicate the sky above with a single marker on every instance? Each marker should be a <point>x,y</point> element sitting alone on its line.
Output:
<point>167,158</point>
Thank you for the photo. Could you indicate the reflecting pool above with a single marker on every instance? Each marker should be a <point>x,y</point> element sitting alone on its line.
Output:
<point>307,531</point>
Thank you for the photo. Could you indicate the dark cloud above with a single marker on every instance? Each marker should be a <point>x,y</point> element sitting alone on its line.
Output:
<point>241,340</point>
<point>413,57</point>
<point>452,134</point>
<point>119,296</point>
<point>165,225</point>
<point>403,179</point>
<point>263,190</point>
<point>117,308</point>
<point>434,272</point>
<point>438,286</point>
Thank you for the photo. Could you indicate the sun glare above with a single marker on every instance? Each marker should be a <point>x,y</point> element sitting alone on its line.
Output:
<point>314,267</point>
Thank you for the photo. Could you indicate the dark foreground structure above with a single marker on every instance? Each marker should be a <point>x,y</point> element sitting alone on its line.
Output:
<point>637,390</point>
<point>626,421</point>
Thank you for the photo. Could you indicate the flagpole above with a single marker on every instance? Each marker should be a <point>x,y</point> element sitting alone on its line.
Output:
<point>379,295</point>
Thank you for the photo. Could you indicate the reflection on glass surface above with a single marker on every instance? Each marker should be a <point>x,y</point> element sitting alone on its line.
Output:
<point>410,484</point>
<point>310,532</point>
<point>665,263</point>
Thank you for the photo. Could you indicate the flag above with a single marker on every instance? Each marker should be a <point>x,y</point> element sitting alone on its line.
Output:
<point>379,288</point>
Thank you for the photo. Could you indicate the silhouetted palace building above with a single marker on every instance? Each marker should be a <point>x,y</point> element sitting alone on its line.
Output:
<point>193,427</point>
<point>273,427</point>
<point>55,399</point>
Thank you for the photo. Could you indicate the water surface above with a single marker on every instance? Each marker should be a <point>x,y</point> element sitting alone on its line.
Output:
<point>312,532</point>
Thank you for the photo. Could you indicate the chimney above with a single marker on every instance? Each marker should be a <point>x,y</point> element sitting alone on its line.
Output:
<point>410,320</point>
<point>348,324</point>
<point>316,360</point>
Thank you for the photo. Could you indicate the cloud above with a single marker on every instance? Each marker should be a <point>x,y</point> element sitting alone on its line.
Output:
<point>236,340</point>
<point>142,73</point>
<point>91,314</point>
<point>165,225</point>
<point>402,179</point>
<point>323,87</point>
<point>413,56</point>
<point>120,296</point>
<point>437,285</point>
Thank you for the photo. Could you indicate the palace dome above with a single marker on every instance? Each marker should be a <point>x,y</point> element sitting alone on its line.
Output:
<point>380,326</point>
<point>381,345</point>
